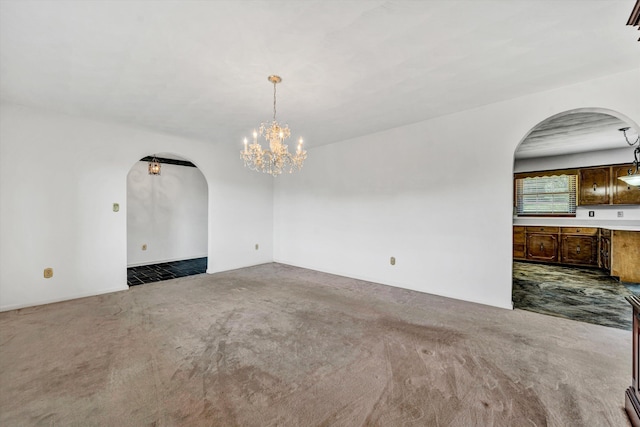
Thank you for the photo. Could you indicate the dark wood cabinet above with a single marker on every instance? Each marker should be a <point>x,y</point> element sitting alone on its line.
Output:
<point>594,186</point>
<point>542,247</point>
<point>519,242</point>
<point>604,252</point>
<point>623,194</point>
<point>579,246</point>
<point>579,250</point>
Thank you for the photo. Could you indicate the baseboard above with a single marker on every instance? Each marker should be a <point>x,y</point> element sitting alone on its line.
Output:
<point>507,306</point>
<point>55,300</point>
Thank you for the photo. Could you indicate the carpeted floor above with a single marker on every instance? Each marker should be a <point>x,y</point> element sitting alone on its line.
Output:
<point>582,294</point>
<point>274,345</point>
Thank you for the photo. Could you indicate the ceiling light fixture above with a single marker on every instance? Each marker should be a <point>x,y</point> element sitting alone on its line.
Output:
<point>154,166</point>
<point>633,176</point>
<point>277,158</point>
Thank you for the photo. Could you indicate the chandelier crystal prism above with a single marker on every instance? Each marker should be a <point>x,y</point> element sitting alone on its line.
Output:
<point>277,158</point>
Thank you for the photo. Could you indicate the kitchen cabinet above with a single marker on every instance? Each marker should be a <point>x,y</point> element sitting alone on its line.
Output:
<point>579,249</point>
<point>604,252</point>
<point>625,255</point>
<point>622,193</point>
<point>617,251</point>
<point>594,186</point>
<point>519,242</point>
<point>542,243</point>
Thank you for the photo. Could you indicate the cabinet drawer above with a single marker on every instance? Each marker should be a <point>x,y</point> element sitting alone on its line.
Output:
<point>543,229</point>
<point>587,231</point>
<point>518,235</point>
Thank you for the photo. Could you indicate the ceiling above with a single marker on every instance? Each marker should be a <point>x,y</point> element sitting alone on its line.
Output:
<point>575,132</point>
<point>199,68</point>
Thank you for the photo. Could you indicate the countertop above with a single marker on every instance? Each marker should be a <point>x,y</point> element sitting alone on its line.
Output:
<point>628,225</point>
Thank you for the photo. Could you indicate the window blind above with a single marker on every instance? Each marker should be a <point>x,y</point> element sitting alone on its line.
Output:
<point>546,195</point>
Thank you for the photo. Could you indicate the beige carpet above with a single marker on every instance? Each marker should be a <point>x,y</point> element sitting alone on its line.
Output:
<point>274,345</point>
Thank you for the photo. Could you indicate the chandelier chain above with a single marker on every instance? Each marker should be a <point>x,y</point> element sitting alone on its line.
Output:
<point>274,101</point>
<point>624,132</point>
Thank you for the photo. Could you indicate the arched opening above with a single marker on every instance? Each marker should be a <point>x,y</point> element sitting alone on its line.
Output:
<point>564,218</point>
<point>167,219</point>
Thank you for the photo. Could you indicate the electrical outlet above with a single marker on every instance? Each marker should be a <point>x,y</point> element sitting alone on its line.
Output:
<point>592,214</point>
<point>144,247</point>
<point>48,273</point>
<point>116,207</point>
<point>620,214</point>
<point>393,260</point>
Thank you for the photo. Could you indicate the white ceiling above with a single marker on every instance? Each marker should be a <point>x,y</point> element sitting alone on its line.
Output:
<point>349,68</point>
<point>575,132</point>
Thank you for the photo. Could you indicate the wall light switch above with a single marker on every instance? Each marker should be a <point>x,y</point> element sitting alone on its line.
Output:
<point>620,214</point>
<point>257,246</point>
<point>116,207</point>
<point>48,273</point>
<point>144,247</point>
<point>393,260</point>
<point>592,214</point>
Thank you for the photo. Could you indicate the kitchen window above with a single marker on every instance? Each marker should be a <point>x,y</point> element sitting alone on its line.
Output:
<point>553,195</point>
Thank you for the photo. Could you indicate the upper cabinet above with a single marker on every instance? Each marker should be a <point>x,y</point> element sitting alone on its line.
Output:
<point>594,186</point>
<point>623,194</point>
<point>601,186</point>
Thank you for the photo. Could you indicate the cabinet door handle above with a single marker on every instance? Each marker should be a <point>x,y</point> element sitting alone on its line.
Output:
<point>541,247</point>
<point>594,186</point>
<point>578,250</point>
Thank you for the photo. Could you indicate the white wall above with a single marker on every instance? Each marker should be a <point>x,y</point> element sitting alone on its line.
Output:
<point>60,175</point>
<point>437,195</point>
<point>167,213</point>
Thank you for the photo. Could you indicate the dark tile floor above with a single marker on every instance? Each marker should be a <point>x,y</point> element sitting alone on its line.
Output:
<point>584,294</point>
<point>165,271</point>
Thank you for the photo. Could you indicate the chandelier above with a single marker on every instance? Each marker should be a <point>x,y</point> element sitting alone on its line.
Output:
<point>277,158</point>
<point>632,177</point>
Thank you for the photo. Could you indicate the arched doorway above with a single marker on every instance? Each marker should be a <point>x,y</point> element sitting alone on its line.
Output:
<point>559,266</point>
<point>167,220</point>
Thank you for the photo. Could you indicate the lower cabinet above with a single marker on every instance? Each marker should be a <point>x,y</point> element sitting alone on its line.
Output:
<point>617,251</point>
<point>579,250</point>
<point>542,247</point>
<point>565,245</point>
<point>604,253</point>
<point>519,243</point>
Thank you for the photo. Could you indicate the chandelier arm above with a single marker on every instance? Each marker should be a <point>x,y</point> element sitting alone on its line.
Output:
<point>624,132</point>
